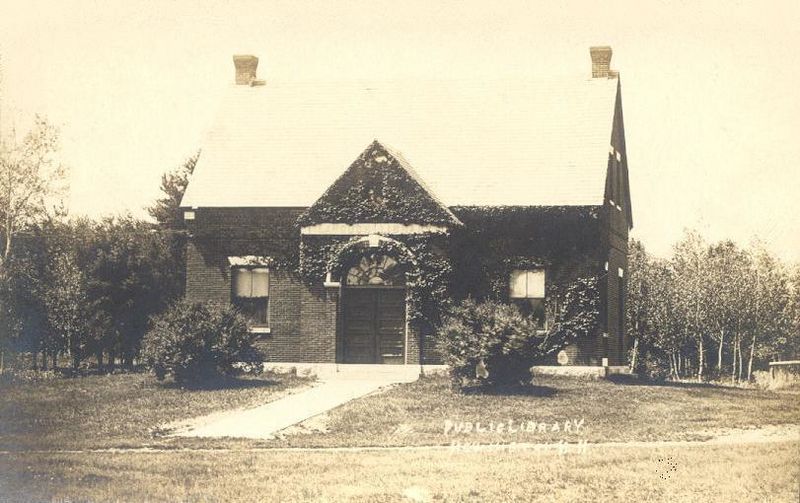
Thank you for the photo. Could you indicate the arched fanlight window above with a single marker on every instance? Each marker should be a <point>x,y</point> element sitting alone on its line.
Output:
<point>376,270</point>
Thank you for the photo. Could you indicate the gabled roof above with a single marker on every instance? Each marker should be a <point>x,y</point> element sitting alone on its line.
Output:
<point>473,143</point>
<point>379,186</point>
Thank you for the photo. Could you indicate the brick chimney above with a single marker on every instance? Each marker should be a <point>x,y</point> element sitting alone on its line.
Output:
<point>245,69</point>
<point>601,62</point>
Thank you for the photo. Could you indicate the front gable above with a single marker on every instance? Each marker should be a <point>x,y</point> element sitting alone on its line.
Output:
<point>379,187</point>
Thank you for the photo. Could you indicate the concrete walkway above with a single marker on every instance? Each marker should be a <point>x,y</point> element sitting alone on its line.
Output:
<point>264,421</point>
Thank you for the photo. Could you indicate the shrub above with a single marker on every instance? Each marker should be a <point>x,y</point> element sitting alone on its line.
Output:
<point>489,344</point>
<point>195,342</point>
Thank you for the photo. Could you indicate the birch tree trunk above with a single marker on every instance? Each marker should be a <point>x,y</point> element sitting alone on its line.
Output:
<point>739,344</point>
<point>719,353</point>
<point>673,364</point>
<point>700,360</point>
<point>750,363</point>
<point>633,356</point>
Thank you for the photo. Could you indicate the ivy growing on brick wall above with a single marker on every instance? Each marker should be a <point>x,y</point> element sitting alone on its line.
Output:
<point>475,259</point>
<point>315,255</point>
<point>428,268</point>
<point>377,188</point>
<point>565,240</point>
<point>573,310</point>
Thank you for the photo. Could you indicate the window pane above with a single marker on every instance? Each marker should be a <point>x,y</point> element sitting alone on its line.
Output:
<point>260,279</point>
<point>242,283</point>
<point>536,284</point>
<point>376,270</point>
<point>533,308</point>
<point>517,284</point>
<point>260,317</point>
<point>254,309</point>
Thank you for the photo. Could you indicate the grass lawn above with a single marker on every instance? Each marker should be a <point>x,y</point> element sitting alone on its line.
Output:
<point>686,474</point>
<point>122,411</point>
<point>117,410</point>
<point>419,413</point>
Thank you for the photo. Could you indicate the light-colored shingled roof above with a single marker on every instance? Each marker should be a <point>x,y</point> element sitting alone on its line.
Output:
<point>491,143</point>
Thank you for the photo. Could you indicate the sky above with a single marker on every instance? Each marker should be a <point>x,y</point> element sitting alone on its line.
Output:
<point>711,107</point>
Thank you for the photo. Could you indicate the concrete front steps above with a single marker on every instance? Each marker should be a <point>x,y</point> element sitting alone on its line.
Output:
<point>356,371</point>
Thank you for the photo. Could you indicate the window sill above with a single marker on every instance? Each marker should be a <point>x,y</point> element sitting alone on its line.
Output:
<point>259,330</point>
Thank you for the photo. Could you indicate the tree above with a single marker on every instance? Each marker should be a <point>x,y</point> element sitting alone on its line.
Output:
<point>131,275</point>
<point>651,315</point>
<point>744,300</point>
<point>727,287</point>
<point>690,263</point>
<point>24,314</point>
<point>792,350</point>
<point>66,304</point>
<point>44,307</point>
<point>637,306</point>
<point>771,292</point>
<point>166,210</point>
<point>29,179</point>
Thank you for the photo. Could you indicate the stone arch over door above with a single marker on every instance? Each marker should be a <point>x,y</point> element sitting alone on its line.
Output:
<point>373,324</point>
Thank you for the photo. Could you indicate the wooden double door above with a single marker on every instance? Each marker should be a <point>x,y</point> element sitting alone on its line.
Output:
<point>373,329</point>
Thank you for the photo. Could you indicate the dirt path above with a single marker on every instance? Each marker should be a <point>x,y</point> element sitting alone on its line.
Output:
<point>766,434</point>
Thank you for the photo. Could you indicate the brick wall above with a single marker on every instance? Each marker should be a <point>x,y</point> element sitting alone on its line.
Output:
<point>304,319</point>
<point>615,293</point>
<point>318,323</point>
<point>569,242</point>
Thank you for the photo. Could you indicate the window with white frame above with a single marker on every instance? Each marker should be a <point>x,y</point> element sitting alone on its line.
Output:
<point>250,293</point>
<point>526,290</point>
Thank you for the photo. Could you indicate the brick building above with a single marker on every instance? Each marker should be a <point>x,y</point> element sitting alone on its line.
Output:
<point>341,249</point>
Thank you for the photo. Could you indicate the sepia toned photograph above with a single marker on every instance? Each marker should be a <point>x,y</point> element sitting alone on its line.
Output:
<point>399,251</point>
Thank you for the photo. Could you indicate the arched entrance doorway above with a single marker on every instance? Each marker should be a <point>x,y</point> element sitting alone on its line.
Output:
<point>374,310</point>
